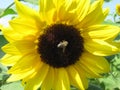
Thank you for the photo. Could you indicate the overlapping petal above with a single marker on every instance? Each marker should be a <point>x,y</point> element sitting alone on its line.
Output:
<point>94,65</point>
<point>10,49</point>
<point>22,26</point>
<point>10,34</point>
<point>47,11</point>
<point>26,12</point>
<point>21,66</point>
<point>102,32</point>
<point>35,82</point>
<point>9,60</point>
<point>95,15</point>
<point>76,78</point>
<point>101,47</point>
<point>62,80</point>
<point>25,46</point>
<point>51,77</point>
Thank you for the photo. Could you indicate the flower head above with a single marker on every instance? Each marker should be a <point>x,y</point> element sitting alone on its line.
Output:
<point>118,9</point>
<point>62,44</point>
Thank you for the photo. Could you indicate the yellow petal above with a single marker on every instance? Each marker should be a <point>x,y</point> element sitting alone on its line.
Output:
<point>29,14</point>
<point>59,3</point>
<point>97,64</point>
<point>81,10</point>
<point>102,32</point>
<point>82,75</point>
<point>71,10</point>
<point>62,80</point>
<point>101,48</point>
<point>47,10</point>
<point>25,26</point>
<point>21,66</point>
<point>10,34</point>
<point>95,15</point>
<point>10,49</point>
<point>24,76</point>
<point>25,46</point>
<point>48,85</point>
<point>36,69</point>
<point>25,11</point>
<point>10,60</point>
<point>35,82</point>
<point>89,72</point>
<point>75,77</point>
<point>66,8</point>
<point>16,77</point>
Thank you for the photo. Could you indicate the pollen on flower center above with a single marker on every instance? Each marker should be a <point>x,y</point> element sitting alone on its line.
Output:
<point>60,46</point>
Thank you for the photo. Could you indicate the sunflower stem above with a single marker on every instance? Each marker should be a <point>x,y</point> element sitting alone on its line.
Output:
<point>9,6</point>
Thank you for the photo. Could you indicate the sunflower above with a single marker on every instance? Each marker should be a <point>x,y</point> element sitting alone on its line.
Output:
<point>62,44</point>
<point>118,9</point>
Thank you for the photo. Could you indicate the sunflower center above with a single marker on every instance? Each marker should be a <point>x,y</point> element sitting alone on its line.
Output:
<point>60,46</point>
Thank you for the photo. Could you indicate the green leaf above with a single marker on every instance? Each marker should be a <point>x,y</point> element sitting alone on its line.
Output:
<point>32,1</point>
<point>94,87</point>
<point>12,86</point>
<point>107,0</point>
<point>111,23</point>
<point>2,42</point>
<point>7,12</point>
<point>111,82</point>
<point>3,75</point>
<point>1,10</point>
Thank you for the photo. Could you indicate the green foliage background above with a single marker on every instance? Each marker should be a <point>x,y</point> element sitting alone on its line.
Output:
<point>110,81</point>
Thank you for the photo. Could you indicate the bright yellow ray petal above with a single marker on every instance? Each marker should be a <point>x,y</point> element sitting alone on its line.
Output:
<point>20,47</point>
<point>71,10</point>
<point>100,47</point>
<point>75,77</point>
<point>97,64</point>
<point>23,70</point>
<point>29,14</point>
<point>64,7</point>
<point>21,66</point>
<point>25,11</point>
<point>10,34</point>
<point>16,77</point>
<point>48,81</point>
<point>89,72</point>
<point>67,8</point>
<point>26,79</point>
<point>82,75</point>
<point>102,32</point>
<point>9,60</point>
<point>95,15</point>
<point>62,80</point>
<point>81,10</point>
<point>47,10</point>
<point>25,26</point>
<point>10,49</point>
<point>25,46</point>
<point>35,82</point>
<point>24,75</point>
<point>30,76</point>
